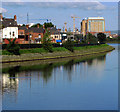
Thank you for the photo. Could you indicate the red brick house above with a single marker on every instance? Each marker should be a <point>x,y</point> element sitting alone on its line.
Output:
<point>28,34</point>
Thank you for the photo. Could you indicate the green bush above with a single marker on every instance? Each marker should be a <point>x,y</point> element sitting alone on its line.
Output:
<point>47,42</point>
<point>91,39</point>
<point>13,48</point>
<point>69,44</point>
<point>101,37</point>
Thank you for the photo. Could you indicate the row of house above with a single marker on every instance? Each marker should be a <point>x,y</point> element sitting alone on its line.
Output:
<point>26,34</point>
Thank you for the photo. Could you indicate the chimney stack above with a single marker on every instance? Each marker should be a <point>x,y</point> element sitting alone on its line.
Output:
<point>27,26</point>
<point>1,17</point>
<point>38,26</point>
<point>43,26</point>
<point>15,17</point>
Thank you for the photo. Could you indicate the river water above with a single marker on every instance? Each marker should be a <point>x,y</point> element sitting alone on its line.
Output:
<point>88,84</point>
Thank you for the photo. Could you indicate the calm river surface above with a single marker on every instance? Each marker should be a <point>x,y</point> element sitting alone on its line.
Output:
<point>90,84</point>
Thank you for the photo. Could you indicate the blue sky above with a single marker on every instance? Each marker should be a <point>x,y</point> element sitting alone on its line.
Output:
<point>60,12</point>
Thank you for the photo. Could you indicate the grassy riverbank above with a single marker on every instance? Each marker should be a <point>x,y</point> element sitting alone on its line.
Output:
<point>43,64</point>
<point>114,41</point>
<point>60,52</point>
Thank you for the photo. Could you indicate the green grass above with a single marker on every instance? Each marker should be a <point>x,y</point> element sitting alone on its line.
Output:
<point>55,49</point>
<point>88,47</point>
<point>4,52</point>
<point>34,50</point>
<point>59,49</point>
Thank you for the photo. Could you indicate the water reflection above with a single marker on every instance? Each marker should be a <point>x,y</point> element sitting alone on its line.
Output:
<point>69,84</point>
<point>12,77</point>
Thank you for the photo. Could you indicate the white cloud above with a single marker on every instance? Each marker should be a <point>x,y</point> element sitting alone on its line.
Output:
<point>56,4</point>
<point>78,5</point>
<point>2,10</point>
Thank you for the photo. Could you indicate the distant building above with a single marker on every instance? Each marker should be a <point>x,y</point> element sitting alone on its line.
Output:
<point>9,28</point>
<point>55,35</point>
<point>93,25</point>
<point>63,36</point>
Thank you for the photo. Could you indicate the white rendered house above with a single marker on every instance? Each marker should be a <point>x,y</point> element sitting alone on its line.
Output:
<point>9,28</point>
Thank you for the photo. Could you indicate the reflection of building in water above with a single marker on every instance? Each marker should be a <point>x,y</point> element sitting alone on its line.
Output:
<point>9,84</point>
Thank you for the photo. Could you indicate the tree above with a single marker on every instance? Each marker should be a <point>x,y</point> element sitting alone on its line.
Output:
<point>48,25</point>
<point>35,25</point>
<point>69,44</point>
<point>23,25</point>
<point>91,39</point>
<point>118,37</point>
<point>101,37</point>
<point>78,37</point>
<point>13,48</point>
<point>47,42</point>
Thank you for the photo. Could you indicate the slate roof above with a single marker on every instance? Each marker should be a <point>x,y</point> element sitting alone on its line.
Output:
<point>8,22</point>
<point>36,30</point>
<point>53,30</point>
<point>31,29</point>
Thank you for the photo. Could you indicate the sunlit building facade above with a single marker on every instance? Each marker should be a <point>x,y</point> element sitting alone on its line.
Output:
<point>93,25</point>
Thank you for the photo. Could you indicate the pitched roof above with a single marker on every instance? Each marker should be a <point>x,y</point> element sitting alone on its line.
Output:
<point>9,22</point>
<point>36,30</point>
<point>31,29</point>
<point>53,30</point>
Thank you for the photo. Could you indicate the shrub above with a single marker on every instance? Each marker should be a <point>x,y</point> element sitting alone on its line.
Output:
<point>13,48</point>
<point>69,44</point>
<point>91,39</point>
<point>101,37</point>
<point>47,42</point>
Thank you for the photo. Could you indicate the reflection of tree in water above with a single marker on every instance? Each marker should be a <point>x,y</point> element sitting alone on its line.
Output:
<point>69,67</point>
<point>12,71</point>
<point>47,71</point>
<point>89,62</point>
<point>100,58</point>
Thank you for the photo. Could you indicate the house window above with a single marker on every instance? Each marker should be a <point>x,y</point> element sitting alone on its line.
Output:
<point>10,33</point>
<point>39,36</point>
<point>13,34</point>
<point>26,38</point>
<point>55,36</point>
<point>5,36</point>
